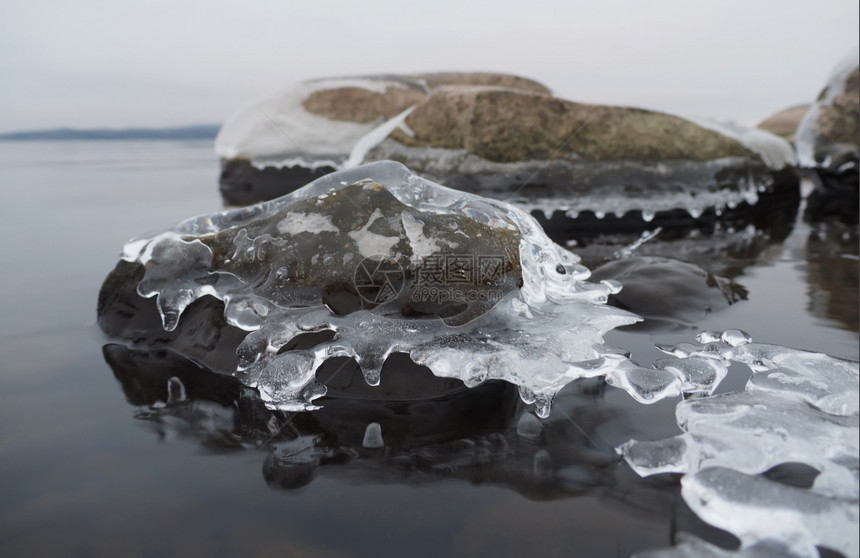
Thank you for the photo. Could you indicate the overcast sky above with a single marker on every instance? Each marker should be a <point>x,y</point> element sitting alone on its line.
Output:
<point>119,63</point>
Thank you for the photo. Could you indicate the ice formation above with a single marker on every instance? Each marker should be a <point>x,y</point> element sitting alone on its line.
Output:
<point>350,254</point>
<point>798,407</point>
<point>810,153</point>
<point>262,130</point>
<point>775,151</point>
<point>615,188</point>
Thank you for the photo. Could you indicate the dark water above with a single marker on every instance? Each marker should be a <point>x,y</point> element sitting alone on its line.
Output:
<point>89,468</point>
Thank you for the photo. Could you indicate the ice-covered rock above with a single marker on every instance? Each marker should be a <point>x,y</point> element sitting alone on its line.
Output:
<point>282,140</point>
<point>506,138</point>
<point>798,407</point>
<point>828,136</point>
<point>384,261</point>
<point>555,156</point>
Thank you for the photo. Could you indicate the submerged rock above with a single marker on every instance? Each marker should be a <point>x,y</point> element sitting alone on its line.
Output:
<point>828,138</point>
<point>370,262</point>
<point>507,138</point>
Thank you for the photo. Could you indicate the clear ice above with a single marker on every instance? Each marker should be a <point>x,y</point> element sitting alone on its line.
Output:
<point>798,407</point>
<point>365,236</point>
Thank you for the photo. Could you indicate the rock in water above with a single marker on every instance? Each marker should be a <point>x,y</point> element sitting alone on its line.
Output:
<point>373,261</point>
<point>828,138</point>
<point>508,138</point>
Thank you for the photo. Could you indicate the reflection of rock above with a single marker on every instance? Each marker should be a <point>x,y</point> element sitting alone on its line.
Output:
<point>476,435</point>
<point>664,289</point>
<point>508,138</point>
<point>834,196</point>
<point>784,123</point>
<point>722,248</point>
<point>832,274</point>
<point>828,137</point>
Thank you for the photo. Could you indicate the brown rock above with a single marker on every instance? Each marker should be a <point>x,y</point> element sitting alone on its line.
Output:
<point>503,125</point>
<point>356,104</point>
<point>485,79</point>
<point>784,123</point>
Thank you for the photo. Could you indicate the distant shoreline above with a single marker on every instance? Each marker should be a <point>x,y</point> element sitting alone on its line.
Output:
<point>196,132</point>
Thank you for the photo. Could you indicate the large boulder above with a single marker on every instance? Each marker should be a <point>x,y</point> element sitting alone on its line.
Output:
<point>828,138</point>
<point>507,137</point>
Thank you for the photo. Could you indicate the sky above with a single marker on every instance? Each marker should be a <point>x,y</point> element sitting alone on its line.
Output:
<point>122,63</point>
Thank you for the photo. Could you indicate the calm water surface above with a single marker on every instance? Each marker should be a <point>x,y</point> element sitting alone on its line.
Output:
<point>87,468</point>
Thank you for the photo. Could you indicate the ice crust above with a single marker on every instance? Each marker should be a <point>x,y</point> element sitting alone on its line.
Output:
<point>798,407</point>
<point>544,331</point>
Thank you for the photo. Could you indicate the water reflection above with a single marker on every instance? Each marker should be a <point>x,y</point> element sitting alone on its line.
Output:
<point>820,233</point>
<point>482,435</point>
<point>717,245</point>
<point>832,273</point>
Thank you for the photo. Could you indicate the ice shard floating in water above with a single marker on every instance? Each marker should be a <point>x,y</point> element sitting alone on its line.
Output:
<point>389,262</point>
